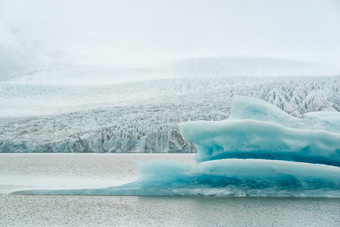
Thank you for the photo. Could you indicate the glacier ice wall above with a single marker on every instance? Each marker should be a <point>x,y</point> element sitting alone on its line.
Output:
<point>258,151</point>
<point>112,119</point>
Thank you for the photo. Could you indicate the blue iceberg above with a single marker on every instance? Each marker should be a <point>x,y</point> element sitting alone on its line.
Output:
<point>259,151</point>
<point>225,177</point>
<point>259,130</point>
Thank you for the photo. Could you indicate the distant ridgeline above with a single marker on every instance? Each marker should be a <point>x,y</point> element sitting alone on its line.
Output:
<point>260,151</point>
<point>152,126</point>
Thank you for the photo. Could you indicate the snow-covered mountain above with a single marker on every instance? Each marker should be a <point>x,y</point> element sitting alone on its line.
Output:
<point>141,116</point>
<point>249,66</point>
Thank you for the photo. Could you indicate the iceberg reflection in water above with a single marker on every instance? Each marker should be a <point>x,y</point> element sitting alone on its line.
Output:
<point>259,151</point>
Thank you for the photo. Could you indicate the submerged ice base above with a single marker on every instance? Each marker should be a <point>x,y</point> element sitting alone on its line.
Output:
<point>259,151</point>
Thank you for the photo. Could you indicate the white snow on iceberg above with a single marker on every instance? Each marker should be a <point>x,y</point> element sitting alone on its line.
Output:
<point>258,151</point>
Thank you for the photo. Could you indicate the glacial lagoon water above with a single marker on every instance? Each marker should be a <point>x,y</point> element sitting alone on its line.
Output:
<point>69,171</point>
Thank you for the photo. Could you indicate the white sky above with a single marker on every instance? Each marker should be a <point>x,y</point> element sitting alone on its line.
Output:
<point>150,32</point>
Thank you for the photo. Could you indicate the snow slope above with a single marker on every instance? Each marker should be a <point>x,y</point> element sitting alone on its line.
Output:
<point>250,66</point>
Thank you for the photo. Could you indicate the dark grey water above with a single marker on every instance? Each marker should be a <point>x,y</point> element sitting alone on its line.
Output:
<point>31,171</point>
<point>20,210</point>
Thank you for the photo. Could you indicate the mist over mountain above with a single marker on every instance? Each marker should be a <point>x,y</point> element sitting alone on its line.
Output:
<point>18,55</point>
<point>198,37</point>
<point>250,66</point>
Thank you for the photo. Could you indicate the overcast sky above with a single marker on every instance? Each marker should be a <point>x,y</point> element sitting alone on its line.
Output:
<point>150,32</point>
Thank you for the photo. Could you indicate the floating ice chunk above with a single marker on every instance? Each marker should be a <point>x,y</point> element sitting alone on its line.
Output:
<point>260,130</point>
<point>259,139</point>
<point>228,177</point>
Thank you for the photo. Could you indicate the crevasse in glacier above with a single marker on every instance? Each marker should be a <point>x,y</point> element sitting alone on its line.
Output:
<point>259,151</point>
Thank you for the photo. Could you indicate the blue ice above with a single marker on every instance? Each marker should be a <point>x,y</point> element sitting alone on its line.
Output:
<point>259,130</point>
<point>259,151</point>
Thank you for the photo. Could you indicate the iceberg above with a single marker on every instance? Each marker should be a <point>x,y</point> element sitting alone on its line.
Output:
<point>226,177</point>
<point>259,151</point>
<point>259,130</point>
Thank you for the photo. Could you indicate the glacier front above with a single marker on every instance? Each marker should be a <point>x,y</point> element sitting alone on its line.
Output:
<point>259,151</point>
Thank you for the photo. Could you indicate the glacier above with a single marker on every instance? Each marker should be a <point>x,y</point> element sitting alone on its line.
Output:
<point>143,117</point>
<point>260,151</point>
